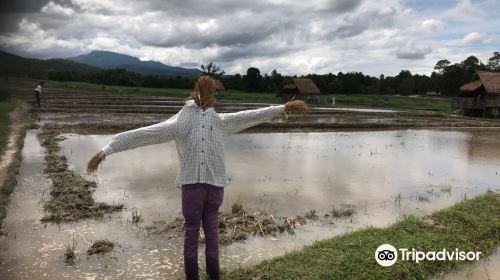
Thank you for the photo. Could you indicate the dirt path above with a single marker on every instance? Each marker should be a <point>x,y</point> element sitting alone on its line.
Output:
<point>19,119</point>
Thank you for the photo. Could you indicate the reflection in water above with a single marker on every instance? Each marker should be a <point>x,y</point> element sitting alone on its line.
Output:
<point>282,173</point>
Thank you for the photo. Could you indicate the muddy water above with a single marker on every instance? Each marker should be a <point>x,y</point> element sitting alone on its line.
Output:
<point>384,174</point>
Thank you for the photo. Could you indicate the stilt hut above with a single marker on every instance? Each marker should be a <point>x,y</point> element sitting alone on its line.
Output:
<point>480,97</point>
<point>302,89</point>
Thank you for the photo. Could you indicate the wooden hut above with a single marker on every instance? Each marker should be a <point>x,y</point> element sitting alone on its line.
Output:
<point>301,89</point>
<point>480,97</point>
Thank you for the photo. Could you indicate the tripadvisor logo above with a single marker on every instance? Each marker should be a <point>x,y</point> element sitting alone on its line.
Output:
<point>387,255</point>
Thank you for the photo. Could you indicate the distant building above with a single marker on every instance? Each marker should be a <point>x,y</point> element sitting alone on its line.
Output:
<point>302,89</point>
<point>432,93</point>
<point>480,97</point>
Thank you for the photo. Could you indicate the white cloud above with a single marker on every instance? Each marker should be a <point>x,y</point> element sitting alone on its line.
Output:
<point>412,51</point>
<point>475,38</point>
<point>464,11</point>
<point>295,37</point>
<point>431,25</point>
<point>58,10</point>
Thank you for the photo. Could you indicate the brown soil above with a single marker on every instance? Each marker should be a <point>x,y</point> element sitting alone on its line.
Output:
<point>71,194</point>
<point>100,247</point>
<point>18,121</point>
<point>11,159</point>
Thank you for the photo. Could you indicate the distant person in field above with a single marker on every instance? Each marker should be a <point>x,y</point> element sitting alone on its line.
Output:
<point>199,133</point>
<point>38,92</point>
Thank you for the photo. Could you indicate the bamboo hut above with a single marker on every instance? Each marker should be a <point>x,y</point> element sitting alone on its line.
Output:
<point>479,97</point>
<point>302,89</point>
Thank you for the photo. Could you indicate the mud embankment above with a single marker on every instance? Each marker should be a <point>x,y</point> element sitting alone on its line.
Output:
<point>71,195</point>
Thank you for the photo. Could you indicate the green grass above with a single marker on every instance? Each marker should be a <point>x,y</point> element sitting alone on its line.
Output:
<point>7,187</point>
<point>396,102</point>
<point>371,101</point>
<point>5,108</point>
<point>472,225</point>
<point>166,92</point>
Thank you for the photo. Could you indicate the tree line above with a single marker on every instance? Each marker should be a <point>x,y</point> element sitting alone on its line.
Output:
<point>446,79</point>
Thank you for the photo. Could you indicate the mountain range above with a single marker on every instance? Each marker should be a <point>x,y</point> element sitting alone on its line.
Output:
<point>111,60</point>
<point>14,65</point>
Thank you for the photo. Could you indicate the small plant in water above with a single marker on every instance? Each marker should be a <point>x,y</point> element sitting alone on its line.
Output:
<point>69,252</point>
<point>312,215</point>
<point>236,208</point>
<point>445,188</point>
<point>136,216</point>
<point>397,199</point>
<point>422,197</point>
<point>345,210</point>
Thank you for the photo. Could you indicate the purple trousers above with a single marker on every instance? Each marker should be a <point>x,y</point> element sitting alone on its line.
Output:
<point>200,206</point>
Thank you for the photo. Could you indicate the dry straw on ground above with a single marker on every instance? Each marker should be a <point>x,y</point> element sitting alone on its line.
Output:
<point>238,225</point>
<point>71,194</point>
<point>100,247</point>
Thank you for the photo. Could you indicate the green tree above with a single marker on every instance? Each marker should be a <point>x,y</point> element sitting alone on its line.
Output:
<point>441,65</point>
<point>253,80</point>
<point>470,64</point>
<point>276,81</point>
<point>212,70</point>
<point>494,62</point>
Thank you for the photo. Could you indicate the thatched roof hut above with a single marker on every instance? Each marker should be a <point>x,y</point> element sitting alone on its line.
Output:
<point>481,96</point>
<point>302,86</point>
<point>303,89</point>
<point>489,80</point>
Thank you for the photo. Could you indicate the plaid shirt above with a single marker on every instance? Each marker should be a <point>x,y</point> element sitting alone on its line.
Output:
<point>199,137</point>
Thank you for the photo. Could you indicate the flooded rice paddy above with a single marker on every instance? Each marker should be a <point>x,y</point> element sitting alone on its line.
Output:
<point>382,175</point>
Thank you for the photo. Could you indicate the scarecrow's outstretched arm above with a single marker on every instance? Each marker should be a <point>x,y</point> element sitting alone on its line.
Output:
<point>239,121</point>
<point>143,136</point>
<point>148,135</point>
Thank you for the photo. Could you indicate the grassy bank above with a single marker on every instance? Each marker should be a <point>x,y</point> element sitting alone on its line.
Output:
<point>472,225</point>
<point>5,108</point>
<point>396,102</point>
<point>10,177</point>
<point>166,92</point>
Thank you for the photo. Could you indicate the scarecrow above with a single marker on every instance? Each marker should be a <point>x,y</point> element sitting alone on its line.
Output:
<point>199,133</point>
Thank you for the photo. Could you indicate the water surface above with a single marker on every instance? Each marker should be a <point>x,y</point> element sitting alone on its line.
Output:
<point>384,174</point>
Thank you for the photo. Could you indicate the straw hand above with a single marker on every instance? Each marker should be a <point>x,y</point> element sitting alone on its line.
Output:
<point>296,106</point>
<point>94,162</point>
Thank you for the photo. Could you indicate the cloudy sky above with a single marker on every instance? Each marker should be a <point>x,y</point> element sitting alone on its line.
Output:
<point>294,37</point>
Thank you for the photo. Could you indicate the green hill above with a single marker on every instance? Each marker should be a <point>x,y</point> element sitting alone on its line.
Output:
<point>17,66</point>
<point>111,60</point>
